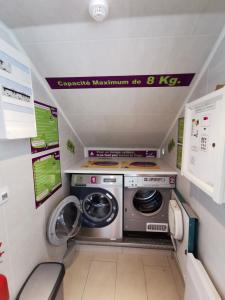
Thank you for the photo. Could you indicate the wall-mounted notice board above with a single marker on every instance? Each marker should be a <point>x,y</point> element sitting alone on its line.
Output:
<point>47,176</point>
<point>47,128</point>
<point>204,144</point>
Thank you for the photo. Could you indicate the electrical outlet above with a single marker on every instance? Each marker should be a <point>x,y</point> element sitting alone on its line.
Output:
<point>4,195</point>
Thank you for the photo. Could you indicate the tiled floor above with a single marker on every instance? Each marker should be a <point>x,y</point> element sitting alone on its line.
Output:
<point>113,273</point>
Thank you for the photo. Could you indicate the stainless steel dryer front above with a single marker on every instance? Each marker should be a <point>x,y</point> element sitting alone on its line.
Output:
<point>146,200</point>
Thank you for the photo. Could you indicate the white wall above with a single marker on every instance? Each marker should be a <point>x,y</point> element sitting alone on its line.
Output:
<point>22,226</point>
<point>211,242</point>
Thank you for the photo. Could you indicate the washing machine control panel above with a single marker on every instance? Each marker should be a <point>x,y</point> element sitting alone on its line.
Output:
<point>150,181</point>
<point>96,180</point>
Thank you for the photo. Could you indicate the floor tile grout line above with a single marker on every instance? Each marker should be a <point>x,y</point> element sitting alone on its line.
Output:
<point>89,267</point>
<point>179,271</point>
<point>104,260</point>
<point>116,277</point>
<point>173,282</point>
<point>173,277</point>
<point>92,260</point>
<point>146,287</point>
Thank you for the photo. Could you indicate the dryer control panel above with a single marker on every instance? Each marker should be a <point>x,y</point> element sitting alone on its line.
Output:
<point>150,181</point>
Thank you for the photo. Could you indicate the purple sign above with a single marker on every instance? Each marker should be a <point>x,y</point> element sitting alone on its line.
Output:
<point>122,153</point>
<point>131,81</point>
<point>47,128</point>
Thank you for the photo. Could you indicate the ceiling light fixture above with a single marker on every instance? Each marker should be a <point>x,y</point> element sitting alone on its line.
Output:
<point>98,10</point>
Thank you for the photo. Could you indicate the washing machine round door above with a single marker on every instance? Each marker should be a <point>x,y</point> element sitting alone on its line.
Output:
<point>65,221</point>
<point>99,209</point>
<point>148,201</point>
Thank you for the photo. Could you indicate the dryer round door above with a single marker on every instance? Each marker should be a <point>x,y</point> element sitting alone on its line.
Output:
<point>99,209</point>
<point>65,221</point>
<point>148,201</point>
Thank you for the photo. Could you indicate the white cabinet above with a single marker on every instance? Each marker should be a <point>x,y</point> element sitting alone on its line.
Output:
<point>204,144</point>
<point>17,115</point>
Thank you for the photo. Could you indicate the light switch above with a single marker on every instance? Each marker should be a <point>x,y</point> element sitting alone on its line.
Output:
<point>4,195</point>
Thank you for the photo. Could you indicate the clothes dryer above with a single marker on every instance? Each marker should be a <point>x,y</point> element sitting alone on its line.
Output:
<point>146,200</point>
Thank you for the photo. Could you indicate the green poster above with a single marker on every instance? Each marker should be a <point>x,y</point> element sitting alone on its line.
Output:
<point>47,128</point>
<point>179,156</point>
<point>70,146</point>
<point>180,130</point>
<point>171,145</point>
<point>47,176</point>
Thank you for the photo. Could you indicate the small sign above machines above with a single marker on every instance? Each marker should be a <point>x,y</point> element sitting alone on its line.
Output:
<point>110,153</point>
<point>17,117</point>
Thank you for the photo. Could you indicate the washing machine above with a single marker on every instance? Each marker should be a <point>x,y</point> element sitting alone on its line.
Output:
<point>146,202</point>
<point>93,210</point>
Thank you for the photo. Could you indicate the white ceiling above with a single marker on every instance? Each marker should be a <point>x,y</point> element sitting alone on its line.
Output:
<point>139,37</point>
<point>21,13</point>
